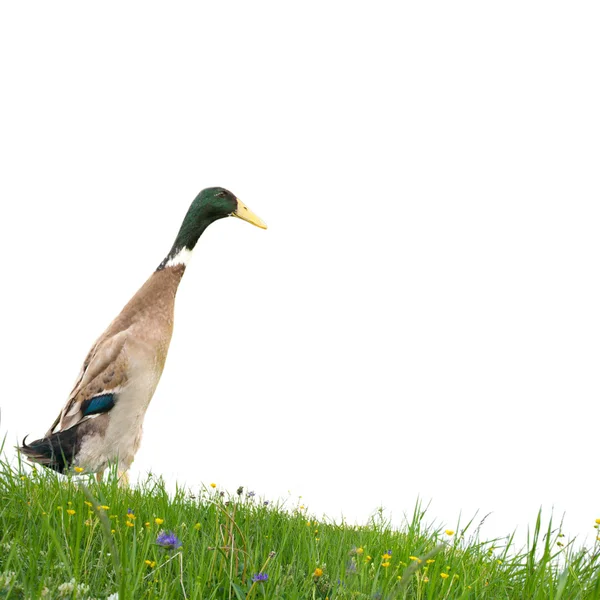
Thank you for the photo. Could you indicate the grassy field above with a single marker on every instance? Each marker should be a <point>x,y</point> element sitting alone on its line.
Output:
<point>72,538</point>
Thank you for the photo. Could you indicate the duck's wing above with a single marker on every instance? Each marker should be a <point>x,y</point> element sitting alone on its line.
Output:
<point>103,375</point>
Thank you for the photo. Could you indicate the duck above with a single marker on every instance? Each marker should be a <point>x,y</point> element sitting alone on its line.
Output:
<point>100,424</point>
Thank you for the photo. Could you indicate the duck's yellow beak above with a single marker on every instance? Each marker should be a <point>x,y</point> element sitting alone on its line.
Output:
<point>244,213</point>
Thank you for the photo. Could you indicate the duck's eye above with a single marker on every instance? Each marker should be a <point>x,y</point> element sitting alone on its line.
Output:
<point>221,195</point>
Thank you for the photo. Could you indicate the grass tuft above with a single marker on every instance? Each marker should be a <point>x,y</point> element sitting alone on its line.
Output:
<point>74,538</point>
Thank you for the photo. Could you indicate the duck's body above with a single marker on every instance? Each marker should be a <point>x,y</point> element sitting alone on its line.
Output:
<point>101,422</point>
<point>123,369</point>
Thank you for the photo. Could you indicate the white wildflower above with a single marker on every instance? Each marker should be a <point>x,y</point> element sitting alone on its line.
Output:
<point>45,591</point>
<point>66,589</point>
<point>114,596</point>
<point>7,579</point>
<point>82,588</point>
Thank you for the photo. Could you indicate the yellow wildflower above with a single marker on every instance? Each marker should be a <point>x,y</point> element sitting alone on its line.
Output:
<point>425,579</point>
<point>197,526</point>
<point>368,558</point>
<point>69,503</point>
<point>308,523</point>
<point>386,556</point>
<point>159,521</point>
<point>87,522</point>
<point>129,524</point>
<point>318,572</point>
<point>150,563</point>
<point>302,507</point>
<point>112,530</point>
<point>78,470</point>
<point>360,550</point>
<point>399,577</point>
<point>430,561</point>
<point>103,507</point>
<point>499,561</point>
<point>213,485</point>
<point>147,524</point>
<point>385,564</point>
<point>449,532</point>
<point>130,516</point>
<point>70,511</point>
<point>416,558</point>
<point>88,503</point>
<point>597,521</point>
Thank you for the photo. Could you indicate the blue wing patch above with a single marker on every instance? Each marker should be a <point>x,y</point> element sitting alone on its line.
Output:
<point>97,404</point>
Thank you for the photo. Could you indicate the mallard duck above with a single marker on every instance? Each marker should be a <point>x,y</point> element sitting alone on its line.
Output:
<point>101,422</point>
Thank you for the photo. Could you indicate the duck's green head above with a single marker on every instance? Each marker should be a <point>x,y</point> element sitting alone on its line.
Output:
<point>215,203</point>
<point>209,206</point>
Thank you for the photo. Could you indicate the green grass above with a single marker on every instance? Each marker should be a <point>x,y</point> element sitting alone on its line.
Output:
<point>54,539</point>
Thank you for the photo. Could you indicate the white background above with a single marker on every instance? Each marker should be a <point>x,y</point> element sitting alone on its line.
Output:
<point>421,318</point>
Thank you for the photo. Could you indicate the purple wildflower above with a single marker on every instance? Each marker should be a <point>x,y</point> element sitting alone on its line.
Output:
<point>250,494</point>
<point>129,511</point>
<point>388,552</point>
<point>168,540</point>
<point>260,577</point>
<point>266,503</point>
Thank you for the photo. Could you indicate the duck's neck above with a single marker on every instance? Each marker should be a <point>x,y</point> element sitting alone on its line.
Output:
<point>177,256</point>
<point>189,233</point>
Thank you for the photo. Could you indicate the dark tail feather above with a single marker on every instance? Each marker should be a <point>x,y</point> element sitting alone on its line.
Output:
<point>56,451</point>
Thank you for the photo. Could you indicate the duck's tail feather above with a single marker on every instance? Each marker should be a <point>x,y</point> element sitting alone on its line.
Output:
<point>56,451</point>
